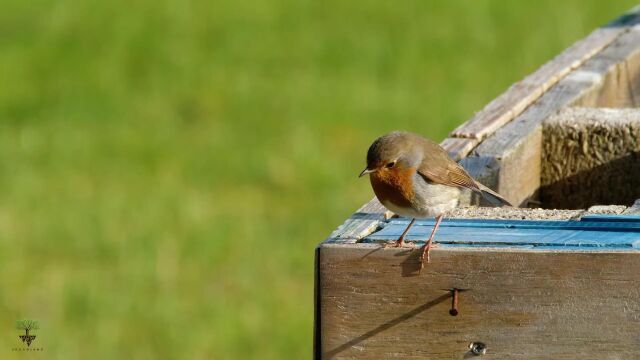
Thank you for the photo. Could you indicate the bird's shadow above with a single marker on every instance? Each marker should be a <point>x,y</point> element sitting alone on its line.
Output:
<point>329,354</point>
<point>412,264</point>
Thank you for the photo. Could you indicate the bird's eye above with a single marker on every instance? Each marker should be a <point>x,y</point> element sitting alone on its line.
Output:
<point>390,165</point>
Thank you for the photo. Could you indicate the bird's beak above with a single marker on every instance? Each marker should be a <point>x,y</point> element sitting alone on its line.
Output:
<point>365,171</point>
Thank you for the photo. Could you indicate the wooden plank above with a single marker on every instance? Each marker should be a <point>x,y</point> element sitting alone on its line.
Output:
<point>362,223</point>
<point>458,148</point>
<point>375,304</point>
<point>619,63</point>
<point>522,94</point>
<point>516,176</point>
<point>558,235</point>
<point>565,93</point>
<point>499,111</point>
<point>587,222</point>
<point>317,313</point>
<point>517,145</point>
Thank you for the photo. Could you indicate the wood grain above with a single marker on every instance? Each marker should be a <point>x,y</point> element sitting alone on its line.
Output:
<point>523,304</point>
<point>362,223</point>
<point>458,148</point>
<point>619,66</point>
<point>517,145</point>
<point>499,111</point>
<point>522,94</point>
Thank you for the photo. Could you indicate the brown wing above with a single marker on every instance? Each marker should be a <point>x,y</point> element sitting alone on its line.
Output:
<point>439,168</point>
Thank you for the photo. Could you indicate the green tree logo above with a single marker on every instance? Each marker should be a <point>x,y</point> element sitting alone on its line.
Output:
<point>27,325</point>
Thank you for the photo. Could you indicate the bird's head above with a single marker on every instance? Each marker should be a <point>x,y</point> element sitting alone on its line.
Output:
<point>392,152</point>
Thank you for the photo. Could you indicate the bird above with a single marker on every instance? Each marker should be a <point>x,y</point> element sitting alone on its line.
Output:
<point>415,178</point>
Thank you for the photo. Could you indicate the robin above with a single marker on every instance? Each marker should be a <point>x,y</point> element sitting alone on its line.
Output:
<point>415,178</point>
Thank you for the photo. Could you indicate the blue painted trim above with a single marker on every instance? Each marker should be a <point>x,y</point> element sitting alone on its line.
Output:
<point>621,225</point>
<point>596,233</point>
<point>611,218</point>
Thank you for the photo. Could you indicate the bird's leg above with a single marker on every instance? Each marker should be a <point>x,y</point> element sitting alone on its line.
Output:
<point>400,242</point>
<point>427,246</point>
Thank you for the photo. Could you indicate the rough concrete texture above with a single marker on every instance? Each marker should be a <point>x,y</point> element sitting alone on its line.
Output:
<point>590,156</point>
<point>607,209</point>
<point>510,213</point>
<point>634,209</point>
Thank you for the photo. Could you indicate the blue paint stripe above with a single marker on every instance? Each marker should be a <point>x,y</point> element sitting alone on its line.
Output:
<point>530,247</point>
<point>624,225</point>
<point>611,218</point>
<point>567,235</point>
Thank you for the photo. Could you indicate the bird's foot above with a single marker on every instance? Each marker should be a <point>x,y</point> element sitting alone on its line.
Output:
<point>425,253</point>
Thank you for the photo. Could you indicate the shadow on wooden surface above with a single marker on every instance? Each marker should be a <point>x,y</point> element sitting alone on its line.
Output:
<point>387,325</point>
<point>412,264</point>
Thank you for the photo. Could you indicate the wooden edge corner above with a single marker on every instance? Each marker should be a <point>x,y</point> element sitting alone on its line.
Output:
<point>361,223</point>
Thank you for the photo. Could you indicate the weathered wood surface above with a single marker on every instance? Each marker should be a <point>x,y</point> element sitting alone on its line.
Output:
<point>619,64</point>
<point>522,94</point>
<point>522,304</point>
<point>362,223</point>
<point>517,145</point>
<point>500,111</point>
<point>458,148</point>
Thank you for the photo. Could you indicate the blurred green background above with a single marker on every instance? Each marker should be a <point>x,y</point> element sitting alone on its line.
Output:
<point>167,167</point>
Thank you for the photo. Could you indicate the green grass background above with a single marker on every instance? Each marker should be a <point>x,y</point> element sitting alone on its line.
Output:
<point>167,167</point>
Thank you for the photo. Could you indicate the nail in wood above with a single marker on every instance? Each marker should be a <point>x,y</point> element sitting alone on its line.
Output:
<point>454,303</point>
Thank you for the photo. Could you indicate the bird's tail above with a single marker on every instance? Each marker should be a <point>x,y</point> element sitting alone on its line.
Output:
<point>492,196</point>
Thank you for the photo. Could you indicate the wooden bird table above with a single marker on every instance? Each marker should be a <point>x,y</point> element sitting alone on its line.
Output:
<point>526,289</point>
<point>558,278</point>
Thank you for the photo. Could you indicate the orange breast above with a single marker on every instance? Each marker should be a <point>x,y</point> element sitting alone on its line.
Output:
<point>394,185</point>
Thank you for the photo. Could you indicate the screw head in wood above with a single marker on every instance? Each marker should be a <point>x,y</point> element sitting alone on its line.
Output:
<point>478,348</point>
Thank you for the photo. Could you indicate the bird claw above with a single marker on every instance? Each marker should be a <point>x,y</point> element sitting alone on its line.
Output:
<point>425,254</point>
